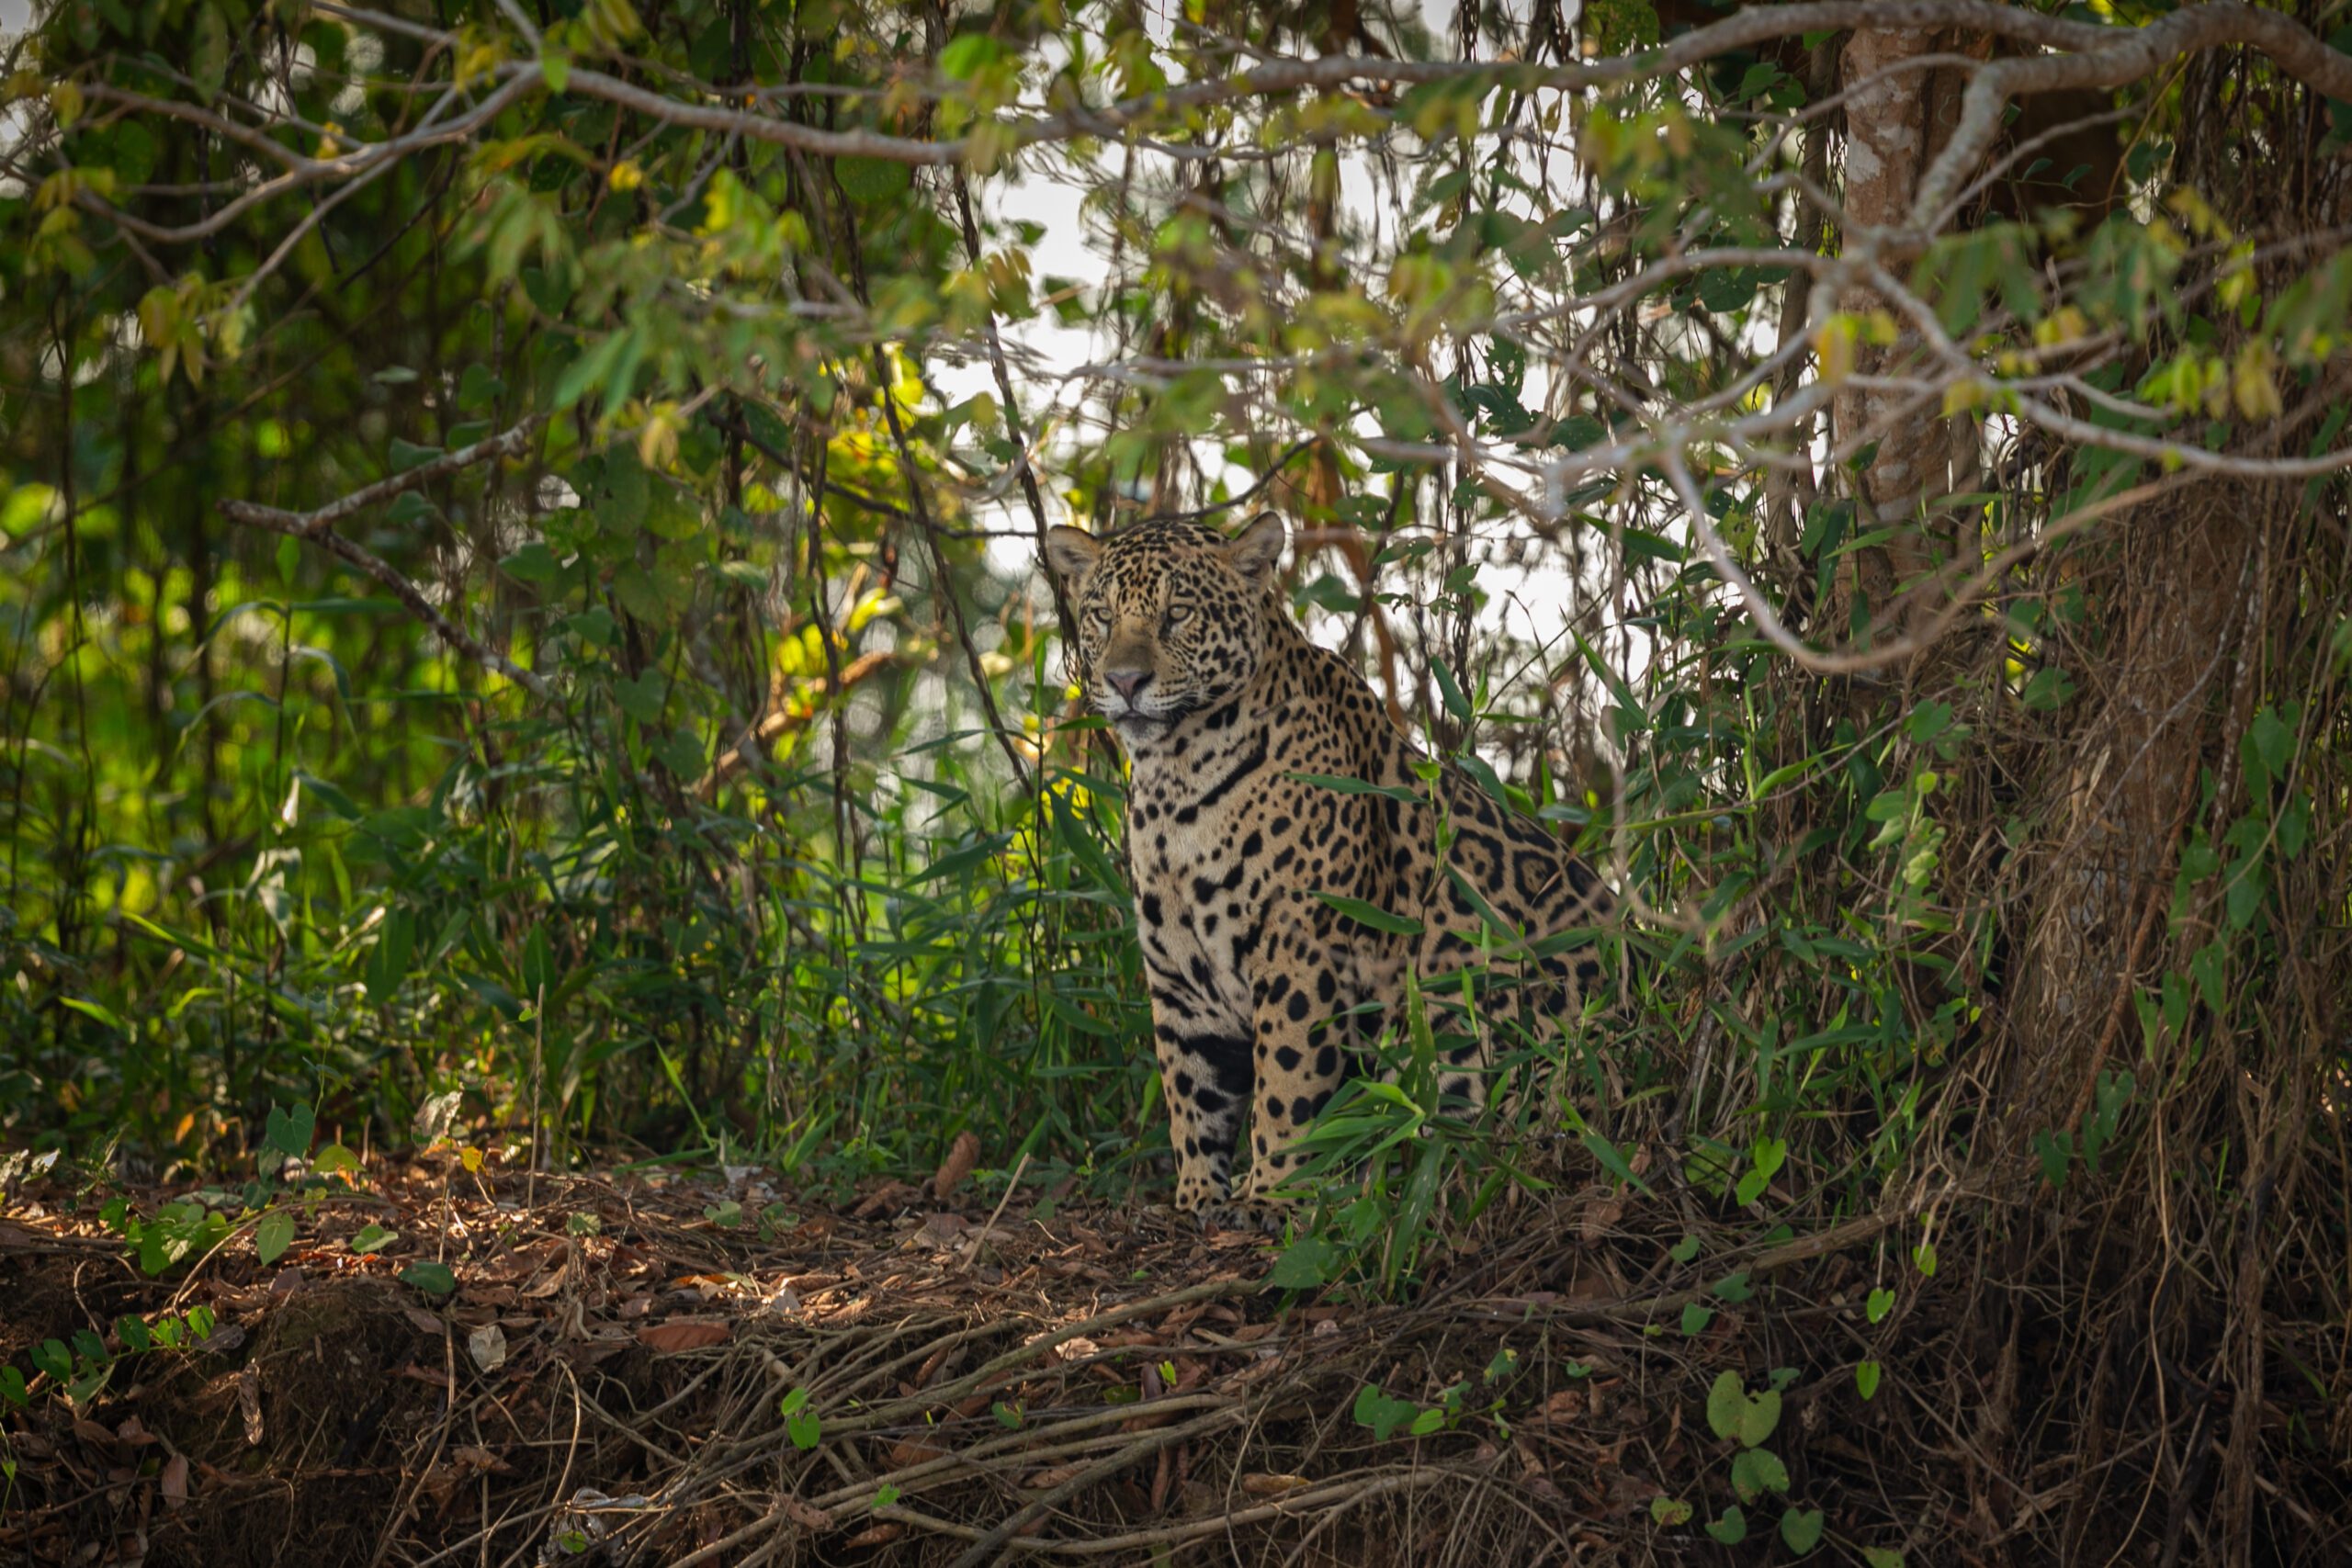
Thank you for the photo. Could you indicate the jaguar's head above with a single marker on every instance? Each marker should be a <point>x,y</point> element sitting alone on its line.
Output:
<point>1172,619</point>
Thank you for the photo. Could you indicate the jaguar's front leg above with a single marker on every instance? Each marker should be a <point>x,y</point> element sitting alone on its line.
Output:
<point>1297,1061</point>
<point>1204,1078</point>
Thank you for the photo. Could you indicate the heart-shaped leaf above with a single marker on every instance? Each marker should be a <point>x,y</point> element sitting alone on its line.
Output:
<point>1800,1528</point>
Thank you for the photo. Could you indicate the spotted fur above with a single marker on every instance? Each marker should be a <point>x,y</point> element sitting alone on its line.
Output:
<point>1220,702</point>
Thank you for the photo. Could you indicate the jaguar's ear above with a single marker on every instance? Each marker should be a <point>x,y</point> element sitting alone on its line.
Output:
<point>1259,548</point>
<point>1072,552</point>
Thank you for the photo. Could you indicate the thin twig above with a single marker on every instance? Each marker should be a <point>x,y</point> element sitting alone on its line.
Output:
<point>315,527</point>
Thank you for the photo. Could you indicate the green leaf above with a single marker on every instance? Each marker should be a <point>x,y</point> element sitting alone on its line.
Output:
<point>1800,1528</point>
<point>1669,1511</point>
<point>407,455</point>
<point>533,563</point>
<point>1372,915</point>
<point>1866,1376</point>
<point>1683,1251</point>
<point>1881,1557</point>
<point>643,698</point>
<point>479,388</point>
<point>208,58</point>
<point>886,1495</point>
<point>805,1428</point>
<point>272,1236</point>
<point>1427,1421</point>
<point>289,1131</point>
<point>1726,1400</point>
<point>1450,691</point>
<point>1881,1302</point>
<point>1376,1410</point>
<point>96,1010</point>
<point>1730,1530</point>
<point>373,1238</point>
<point>1306,1263</point>
<point>2274,740</point>
<point>873,179</point>
<point>134,1333</point>
<point>967,54</point>
<point>1611,1160</point>
<point>1762,1414</point>
<point>556,66</point>
<point>1758,1470</point>
<point>1695,1318</point>
<point>410,506</point>
<point>434,1279</point>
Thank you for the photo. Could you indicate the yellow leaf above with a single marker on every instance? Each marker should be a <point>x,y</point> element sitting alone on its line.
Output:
<point>471,1157</point>
<point>1833,344</point>
<point>1963,396</point>
<point>2252,385</point>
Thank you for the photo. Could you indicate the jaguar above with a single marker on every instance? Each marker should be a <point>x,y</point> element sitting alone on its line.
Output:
<point>1282,849</point>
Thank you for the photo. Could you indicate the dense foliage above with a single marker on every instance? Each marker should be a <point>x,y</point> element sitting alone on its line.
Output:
<point>517,581</point>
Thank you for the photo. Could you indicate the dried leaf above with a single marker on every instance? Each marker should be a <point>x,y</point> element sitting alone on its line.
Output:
<point>1564,1406</point>
<point>878,1535</point>
<point>962,1157</point>
<point>249,1406</point>
<point>487,1346</point>
<point>912,1452</point>
<point>683,1334</point>
<point>1260,1486</point>
<point>890,1197</point>
<point>473,1457</point>
<point>173,1481</point>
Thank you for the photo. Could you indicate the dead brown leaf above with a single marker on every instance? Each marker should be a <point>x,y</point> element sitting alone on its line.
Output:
<point>888,1198</point>
<point>912,1452</point>
<point>172,1478</point>
<point>249,1406</point>
<point>878,1535</point>
<point>962,1157</point>
<point>1262,1485</point>
<point>684,1334</point>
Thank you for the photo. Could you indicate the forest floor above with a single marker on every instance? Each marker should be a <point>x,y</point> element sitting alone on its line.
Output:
<point>654,1368</point>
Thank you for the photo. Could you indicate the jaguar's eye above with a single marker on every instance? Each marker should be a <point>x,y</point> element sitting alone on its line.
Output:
<point>1179,613</point>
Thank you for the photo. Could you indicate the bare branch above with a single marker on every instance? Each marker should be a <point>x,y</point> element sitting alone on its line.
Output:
<point>316,526</point>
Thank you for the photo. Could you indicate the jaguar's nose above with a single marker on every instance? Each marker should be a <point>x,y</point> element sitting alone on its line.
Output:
<point>1128,684</point>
